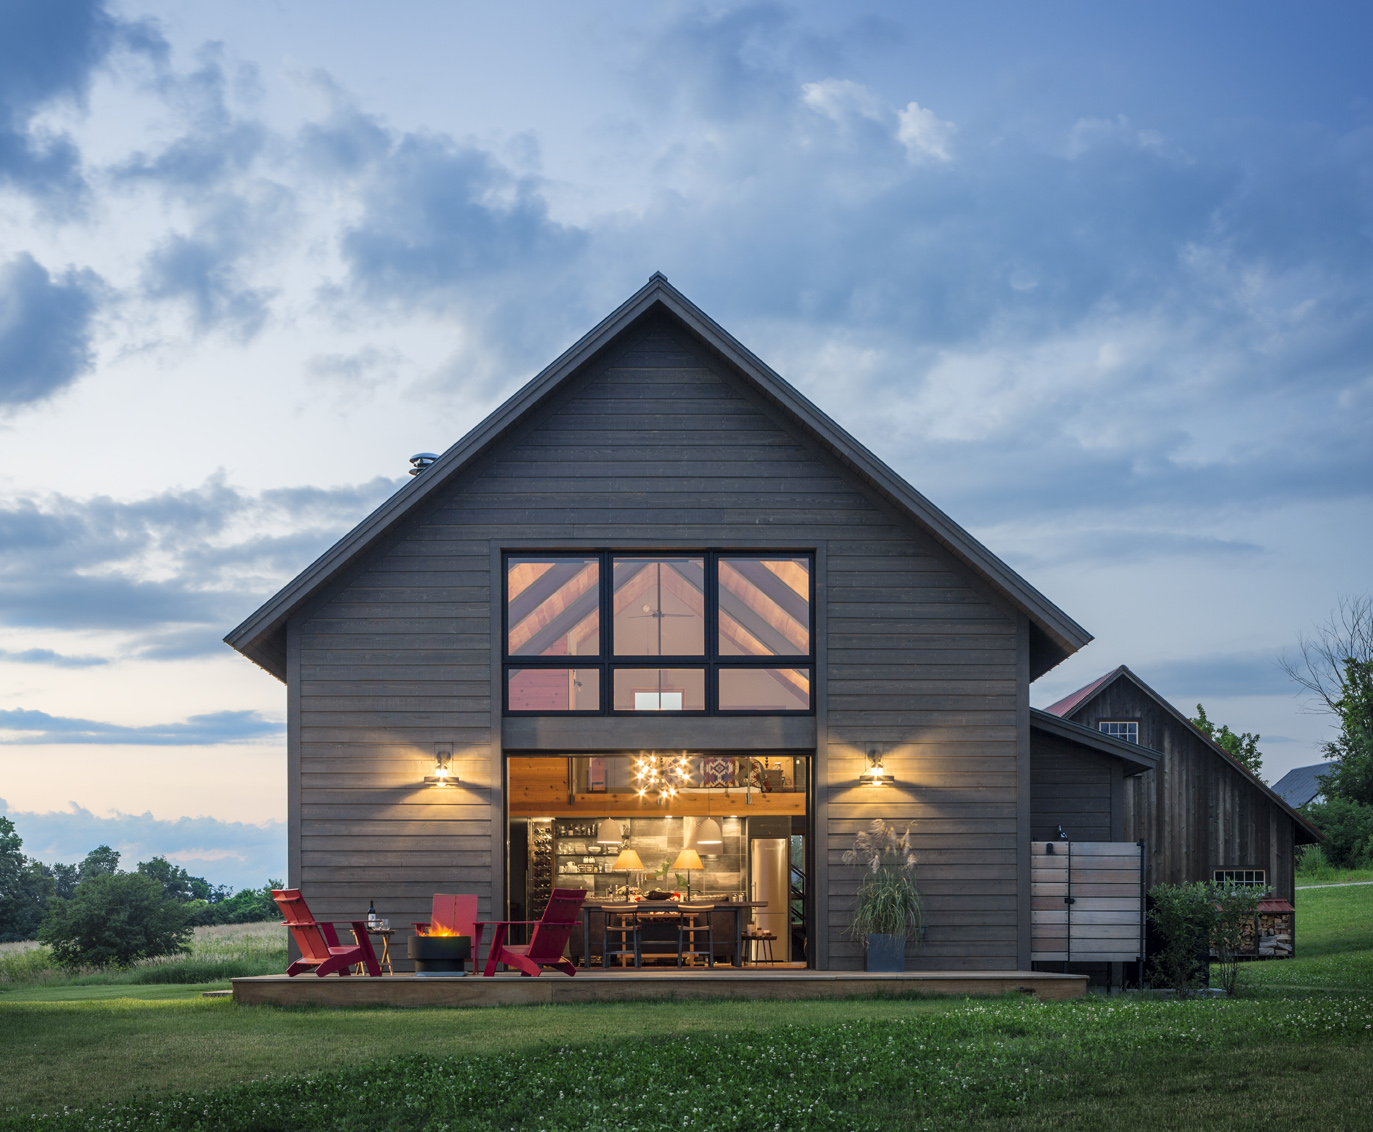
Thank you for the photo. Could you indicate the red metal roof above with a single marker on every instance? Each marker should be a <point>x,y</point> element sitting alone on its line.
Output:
<point>1066,705</point>
<point>1275,906</point>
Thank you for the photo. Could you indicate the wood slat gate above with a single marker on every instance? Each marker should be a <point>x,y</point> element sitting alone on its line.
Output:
<point>1087,901</point>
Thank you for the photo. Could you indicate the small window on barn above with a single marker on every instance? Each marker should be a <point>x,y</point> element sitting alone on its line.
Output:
<point>1248,878</point>
<point>1127,729</point>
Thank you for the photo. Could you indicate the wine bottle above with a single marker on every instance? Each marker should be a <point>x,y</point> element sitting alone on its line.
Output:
<point>371,914</point>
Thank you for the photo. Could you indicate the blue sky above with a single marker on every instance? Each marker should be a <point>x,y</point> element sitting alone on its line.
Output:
<point>1096,279</point>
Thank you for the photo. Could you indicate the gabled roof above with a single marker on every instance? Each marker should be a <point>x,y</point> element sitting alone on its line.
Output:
<point>1066,706</point>
<point>1053,634</point>
<point>1078,699</point>
<point>1137,759</point>
<point>1299,785</point>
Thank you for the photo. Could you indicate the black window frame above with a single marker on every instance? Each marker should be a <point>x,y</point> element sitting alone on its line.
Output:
<point>711,661</point>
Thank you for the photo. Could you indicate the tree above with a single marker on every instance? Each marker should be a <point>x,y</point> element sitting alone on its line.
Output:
<point>1335,667</point>
<point>1348,829</point>
<point>26,886</point>
<point>176,882</point>
<point>100,861</point>
<point>1351,751</point>
<point>1244,749</point>
<point>113,920</point>
<point>249,906</point>
<point>66,878</point>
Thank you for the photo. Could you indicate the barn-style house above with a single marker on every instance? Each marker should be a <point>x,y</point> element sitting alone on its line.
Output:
<point>659,621</point>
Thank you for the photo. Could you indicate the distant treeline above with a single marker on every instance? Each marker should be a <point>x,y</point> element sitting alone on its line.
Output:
<point>28,887</point>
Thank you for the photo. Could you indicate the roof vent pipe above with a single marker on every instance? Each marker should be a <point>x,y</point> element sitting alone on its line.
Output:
<point>421,460</point>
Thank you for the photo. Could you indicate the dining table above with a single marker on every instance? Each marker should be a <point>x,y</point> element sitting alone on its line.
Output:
<point>606,907</point>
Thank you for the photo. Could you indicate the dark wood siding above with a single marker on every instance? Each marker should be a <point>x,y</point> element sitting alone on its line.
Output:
<point>656,441</point>
<point>1071,788</point>
<point>1196,811</point>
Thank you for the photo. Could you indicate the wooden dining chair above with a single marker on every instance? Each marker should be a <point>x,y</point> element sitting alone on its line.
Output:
<point>623,937</point>
<point>693,927</point>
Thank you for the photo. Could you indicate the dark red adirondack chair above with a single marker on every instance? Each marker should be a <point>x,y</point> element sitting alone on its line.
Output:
<point>545,946</point>
<point>320,949</point>
<point>452,915</point>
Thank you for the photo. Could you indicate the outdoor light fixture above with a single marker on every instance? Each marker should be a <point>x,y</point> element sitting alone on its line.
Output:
<point>443,772</point>
<point>874,774</point>
<point>609,833</point>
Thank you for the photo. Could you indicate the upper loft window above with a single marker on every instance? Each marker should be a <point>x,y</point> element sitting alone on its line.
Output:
<point>698,632</point>
<point>1127,729</point>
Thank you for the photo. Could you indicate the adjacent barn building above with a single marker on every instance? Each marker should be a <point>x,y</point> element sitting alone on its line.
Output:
<point>1201,814</point>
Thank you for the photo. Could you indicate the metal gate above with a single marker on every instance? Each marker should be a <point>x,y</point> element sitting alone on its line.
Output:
<point>1087,901</point>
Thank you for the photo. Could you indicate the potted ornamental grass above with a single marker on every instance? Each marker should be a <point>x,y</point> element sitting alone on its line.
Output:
<point>887,910</point>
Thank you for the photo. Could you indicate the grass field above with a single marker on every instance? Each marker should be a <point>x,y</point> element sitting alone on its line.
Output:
<point>220,951</point>
<point>1294,1051</point>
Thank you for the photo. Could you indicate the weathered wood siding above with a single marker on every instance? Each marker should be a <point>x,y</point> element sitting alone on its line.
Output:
<point>1073,789</point>
<point>656,441</point>
<point>1196,811</point>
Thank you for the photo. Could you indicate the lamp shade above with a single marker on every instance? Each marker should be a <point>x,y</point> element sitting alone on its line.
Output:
<point>708,833</point>
<point>688,859</point>
<point>609,833</point>
<point>627,861</point>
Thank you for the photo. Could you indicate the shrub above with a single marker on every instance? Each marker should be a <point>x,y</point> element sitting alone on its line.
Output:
<point>113,920</point>
<point>1236,908</point>
<point>1183,915</point>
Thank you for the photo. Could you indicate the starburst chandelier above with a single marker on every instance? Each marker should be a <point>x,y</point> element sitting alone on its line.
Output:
<point>661,774</point>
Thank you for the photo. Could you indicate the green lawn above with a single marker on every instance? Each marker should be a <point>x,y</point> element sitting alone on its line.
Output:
<point>1293,1051</point>
<point>1334,945</point>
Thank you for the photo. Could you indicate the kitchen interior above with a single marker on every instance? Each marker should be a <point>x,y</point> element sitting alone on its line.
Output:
<point>711,828</point>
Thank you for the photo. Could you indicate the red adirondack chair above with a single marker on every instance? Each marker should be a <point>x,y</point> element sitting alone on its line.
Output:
<point>318,941</point>
<point>455,915</point>
<point>545,946</point>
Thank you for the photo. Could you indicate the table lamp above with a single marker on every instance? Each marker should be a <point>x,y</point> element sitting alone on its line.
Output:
<point>628,862</point>
<point>688,861</point>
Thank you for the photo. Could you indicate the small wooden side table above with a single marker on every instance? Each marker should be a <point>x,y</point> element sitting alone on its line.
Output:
<point>383,959</point>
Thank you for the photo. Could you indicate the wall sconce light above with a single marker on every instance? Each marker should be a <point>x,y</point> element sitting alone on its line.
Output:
<point>874,774</point>
<point>443,771</point>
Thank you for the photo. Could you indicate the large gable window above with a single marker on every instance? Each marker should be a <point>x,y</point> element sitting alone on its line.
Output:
<point>624,633</point>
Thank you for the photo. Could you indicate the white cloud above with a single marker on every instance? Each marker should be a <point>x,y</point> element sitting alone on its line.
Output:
<point>842,98</point>
<point>923,134</point>
<point>917,128</point>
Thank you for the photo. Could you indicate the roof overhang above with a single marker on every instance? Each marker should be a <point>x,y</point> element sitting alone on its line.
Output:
<point>1053,634</point>
<point>1136,759</point>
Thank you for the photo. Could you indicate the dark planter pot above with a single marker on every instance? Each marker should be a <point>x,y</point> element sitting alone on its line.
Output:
<point>439,955</point>
<point>886,953</point>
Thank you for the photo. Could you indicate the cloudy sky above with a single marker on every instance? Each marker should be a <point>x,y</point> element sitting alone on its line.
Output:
<point>1097,279</point>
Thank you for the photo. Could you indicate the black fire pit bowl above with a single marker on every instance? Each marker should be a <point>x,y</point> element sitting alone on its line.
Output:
<point>439,955</point>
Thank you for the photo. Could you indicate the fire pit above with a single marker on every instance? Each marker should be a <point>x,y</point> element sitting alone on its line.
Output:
<point>443,955</point>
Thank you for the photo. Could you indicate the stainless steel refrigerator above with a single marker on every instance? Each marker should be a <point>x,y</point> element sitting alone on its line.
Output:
<point>769,869</point>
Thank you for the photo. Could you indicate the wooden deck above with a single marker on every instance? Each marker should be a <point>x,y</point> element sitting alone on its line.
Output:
<point>622,986</point>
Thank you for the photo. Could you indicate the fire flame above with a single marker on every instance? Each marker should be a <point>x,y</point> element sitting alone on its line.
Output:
<point>438,929</point>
